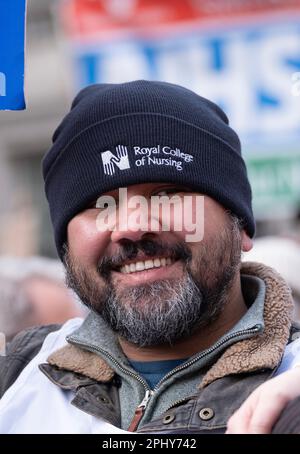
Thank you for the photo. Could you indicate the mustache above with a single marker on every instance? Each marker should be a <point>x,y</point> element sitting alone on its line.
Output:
<point>130,250</point>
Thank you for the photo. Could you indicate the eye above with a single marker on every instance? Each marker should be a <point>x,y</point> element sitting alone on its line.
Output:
<point>170,191</point>
<point>93,206</point>
<point>105,205</point>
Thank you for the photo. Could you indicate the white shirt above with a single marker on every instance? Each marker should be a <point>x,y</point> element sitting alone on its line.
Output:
<point>23,409</point>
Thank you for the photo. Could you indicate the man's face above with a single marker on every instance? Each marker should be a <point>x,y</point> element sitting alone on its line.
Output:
<point>154,287</point>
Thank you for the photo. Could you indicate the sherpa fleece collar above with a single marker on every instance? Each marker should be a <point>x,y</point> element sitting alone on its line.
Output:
<point>258,352</point>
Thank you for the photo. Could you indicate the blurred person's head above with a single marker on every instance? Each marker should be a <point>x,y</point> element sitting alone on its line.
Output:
<point>153,285</point>
<point>32,292</point>
<point>282,254</point>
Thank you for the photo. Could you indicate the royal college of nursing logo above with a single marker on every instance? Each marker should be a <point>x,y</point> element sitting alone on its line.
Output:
<point>111,161</point>
<point>158,155</point>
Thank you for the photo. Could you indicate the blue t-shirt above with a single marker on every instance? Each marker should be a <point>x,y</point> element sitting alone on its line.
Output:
<point>154,371</point>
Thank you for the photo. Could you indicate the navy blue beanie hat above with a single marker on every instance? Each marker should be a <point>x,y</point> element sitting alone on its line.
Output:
<point>117,135</point>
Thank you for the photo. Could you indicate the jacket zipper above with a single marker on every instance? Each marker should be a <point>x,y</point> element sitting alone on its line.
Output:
<point>140,410</point>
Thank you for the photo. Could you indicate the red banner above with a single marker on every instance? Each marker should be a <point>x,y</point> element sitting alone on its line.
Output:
<point>84,19</point>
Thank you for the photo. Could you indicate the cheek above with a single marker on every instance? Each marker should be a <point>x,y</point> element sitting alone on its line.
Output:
<point>215,219</point>
<point>190,216</point>
<point>84,240</point>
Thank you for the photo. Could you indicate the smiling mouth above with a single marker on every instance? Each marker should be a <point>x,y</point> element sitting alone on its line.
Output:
<point>142,265</point>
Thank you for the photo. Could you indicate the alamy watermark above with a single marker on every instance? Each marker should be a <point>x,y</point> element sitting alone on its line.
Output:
<point>157,213</point>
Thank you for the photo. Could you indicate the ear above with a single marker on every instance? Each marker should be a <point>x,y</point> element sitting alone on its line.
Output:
<point>247,243</point>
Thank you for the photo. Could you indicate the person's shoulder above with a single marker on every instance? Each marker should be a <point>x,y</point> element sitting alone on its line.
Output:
<point>20,351</point>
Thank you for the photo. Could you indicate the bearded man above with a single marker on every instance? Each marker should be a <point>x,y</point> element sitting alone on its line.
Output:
<point>179,333</point>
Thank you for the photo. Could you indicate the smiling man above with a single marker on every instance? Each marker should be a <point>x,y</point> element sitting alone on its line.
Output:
<point>179,333</point>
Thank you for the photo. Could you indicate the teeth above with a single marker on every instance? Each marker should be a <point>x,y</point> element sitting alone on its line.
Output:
<point>149,264</point>
<point>146,265</point>
<point>156,263</point>
<point>140,266</point>
<point>132,267</point>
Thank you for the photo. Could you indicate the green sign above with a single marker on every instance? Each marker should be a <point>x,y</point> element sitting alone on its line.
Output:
<point>275,182</point>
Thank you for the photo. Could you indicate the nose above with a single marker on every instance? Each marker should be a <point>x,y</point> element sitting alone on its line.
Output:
<point>133,224</point>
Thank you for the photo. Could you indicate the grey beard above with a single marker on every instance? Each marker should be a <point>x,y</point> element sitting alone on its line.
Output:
<point>150,319</point>
<point>159,313</point>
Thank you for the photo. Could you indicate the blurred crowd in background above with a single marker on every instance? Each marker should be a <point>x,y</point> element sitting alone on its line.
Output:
<point>242,54</point>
